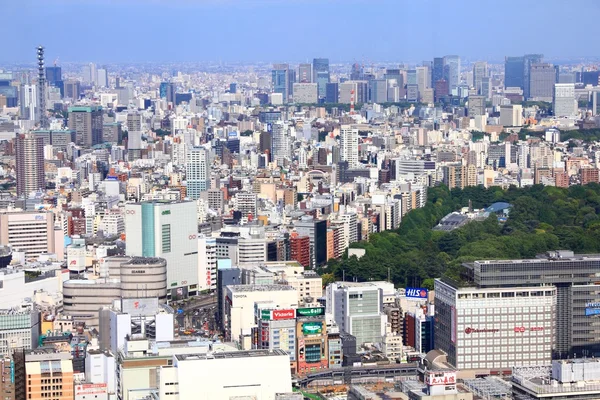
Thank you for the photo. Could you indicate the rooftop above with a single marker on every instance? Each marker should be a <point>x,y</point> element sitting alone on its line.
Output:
<point>232,355</point>
<point>258,288</point>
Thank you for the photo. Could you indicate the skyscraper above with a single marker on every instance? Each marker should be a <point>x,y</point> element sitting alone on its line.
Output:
<point>167,91</point>
<point>102,78</point>
<point>29,162</point>
<point>514,68</point>
<point>197,172</point>
<point>438,70</point>
<point>280,80</point>
<point>321,75</point>
<point>28,102</point>
<point>53,75</point>
<point>349,145</point>
<point>542,78</point>
<point>305,73</point>
<point>528,61</point>
<point>452,71</point>
<point>479,72</point>
<point>564,103</point>
<point>423,79</point>
<point>86,121</point>
<point>280,145</point>
<point>332,93</point>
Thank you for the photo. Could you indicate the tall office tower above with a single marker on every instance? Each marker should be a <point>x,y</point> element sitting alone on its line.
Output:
<point>511,115</point>
<point>480,71</point>
<point>134,121</point>
<point>134,136</point>
<point>349,145</point>
<point>564,103</point>
<point>316,230</point>
<point>169,230</point>
<point>452,71</point>
<point>528,61</point>
<point>486,87</point>
<point>542,78</point>
<point>280,80</point>
<point>86,121</point>
<point>167,91</point>
<point>423,79</point>
<point>438,70</point>
<point>514,68</point>
<point>28,100</point>
<point>291,81</point>
<point>332,93</point>
<point>321,75</point>
<point>378,90</point>
<point>197,171</point>
<point>102,78</point>
<point>71,90</point>
<point>305,93</point>
<point>29,160</point>
<point>90,73</point>
<point>53,75</point>
<point>280,143</point>
<point>411,77</point>
<point>305,73</point>
<point>356,73</point>
<point>476,105</point>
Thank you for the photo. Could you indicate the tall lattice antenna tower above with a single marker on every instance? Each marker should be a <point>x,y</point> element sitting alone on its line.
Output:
<point>42,117</point>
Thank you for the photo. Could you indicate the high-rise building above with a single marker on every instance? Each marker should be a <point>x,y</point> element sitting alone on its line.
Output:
<point>357,309</point>
<point>71,90</point>
<point>321,75</point>
<point>53,75</point>
<point>528,61</point>
<point>29,164</point>
<point>102,78</point>
<point>29,232</point>
<point>479,72</point>
<point>476,106</point>
<point>423,79</point>
<point>29,102</point>
<point>513,72</point>
<point>197,172</point>
<point>280,143</point>
<point>305,93</point>
<point>452,71</point>
<point>542,78</point>
<point>167,91</point>
<point>169,230</point>
<point>280,80</point>
<point>564,103</point>
<point>349,145</point>
<point>305,73</point>
<point>332,93</point>
<point>511,115</point>
<point>438,70</point>
<point>87,123</point>
<point>316,230</point>
<point>378,90</point>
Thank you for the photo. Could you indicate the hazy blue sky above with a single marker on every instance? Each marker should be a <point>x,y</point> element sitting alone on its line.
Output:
<point>295,30</point>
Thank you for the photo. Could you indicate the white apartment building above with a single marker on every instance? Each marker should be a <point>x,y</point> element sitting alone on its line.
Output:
<point>349,145</point>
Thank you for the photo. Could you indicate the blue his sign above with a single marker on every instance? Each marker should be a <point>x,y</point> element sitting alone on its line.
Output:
<point>416,293</point>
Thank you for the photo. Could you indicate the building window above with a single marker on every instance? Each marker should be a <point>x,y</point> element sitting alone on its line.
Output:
<point>166,238</point>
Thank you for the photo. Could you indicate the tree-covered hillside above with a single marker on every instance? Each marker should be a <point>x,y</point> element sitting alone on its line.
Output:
<point>542,218</point>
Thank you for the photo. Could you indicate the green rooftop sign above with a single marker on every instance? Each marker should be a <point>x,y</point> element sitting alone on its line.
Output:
<point>310,312</point>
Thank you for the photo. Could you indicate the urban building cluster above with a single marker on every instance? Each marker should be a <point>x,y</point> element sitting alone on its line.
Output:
<point>162,233</point>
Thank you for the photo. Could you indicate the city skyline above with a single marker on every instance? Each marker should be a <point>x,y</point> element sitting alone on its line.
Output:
<point>298,30</point>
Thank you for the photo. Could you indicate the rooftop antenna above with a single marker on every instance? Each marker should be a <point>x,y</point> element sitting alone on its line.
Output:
<point>43,118</point>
